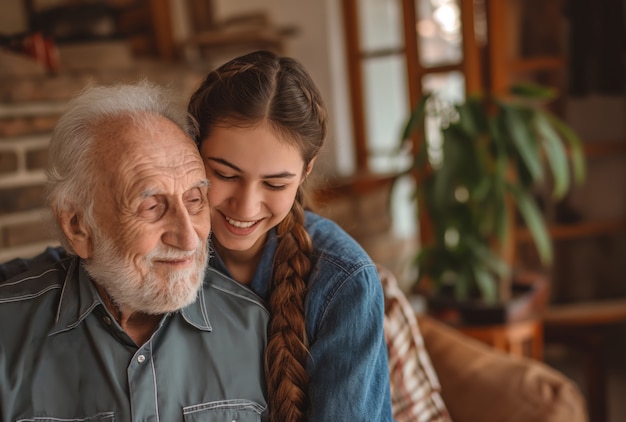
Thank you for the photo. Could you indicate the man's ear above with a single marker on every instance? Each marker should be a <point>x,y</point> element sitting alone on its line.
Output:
<point>76,232</point>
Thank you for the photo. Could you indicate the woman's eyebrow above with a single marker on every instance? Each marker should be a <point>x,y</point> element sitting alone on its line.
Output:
<point>281,175</point>
<point>224,162</point>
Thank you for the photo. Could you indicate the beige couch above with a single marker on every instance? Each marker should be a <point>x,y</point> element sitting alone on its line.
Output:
<point>438,374</point>
<point>479,383</point>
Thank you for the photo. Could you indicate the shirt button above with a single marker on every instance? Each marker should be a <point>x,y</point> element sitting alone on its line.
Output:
<point>141,358</point>
<point>107,320</point>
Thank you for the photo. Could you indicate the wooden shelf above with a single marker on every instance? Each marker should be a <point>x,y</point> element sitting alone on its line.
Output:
<point>349,186</point>
<point>577,230</point>
<point>604,148</point>
<point>587,313</point>
<point>537,63</point>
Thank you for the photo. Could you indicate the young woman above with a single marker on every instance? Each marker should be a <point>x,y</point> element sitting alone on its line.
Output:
<point>262,123</point>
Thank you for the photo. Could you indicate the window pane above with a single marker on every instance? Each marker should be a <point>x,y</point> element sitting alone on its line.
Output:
<point>439,32</point>
<point>386,109</point>
<point>380,24</point>
<point>450,86</point>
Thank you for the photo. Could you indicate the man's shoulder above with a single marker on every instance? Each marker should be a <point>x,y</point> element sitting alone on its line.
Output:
<point>29,304</point>
<point>20,265</point>
<point>226,288</point>
<point>35,284</point>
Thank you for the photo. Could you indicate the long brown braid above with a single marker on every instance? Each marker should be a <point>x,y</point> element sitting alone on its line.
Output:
<point>262,87</point>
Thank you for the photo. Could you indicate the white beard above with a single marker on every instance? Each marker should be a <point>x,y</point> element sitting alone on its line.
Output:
<point>150,294</point>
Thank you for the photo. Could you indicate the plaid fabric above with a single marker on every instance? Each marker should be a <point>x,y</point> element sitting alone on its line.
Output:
<point>415,389</point>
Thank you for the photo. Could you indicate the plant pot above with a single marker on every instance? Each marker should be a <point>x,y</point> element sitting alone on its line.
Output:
<point>529,297</point>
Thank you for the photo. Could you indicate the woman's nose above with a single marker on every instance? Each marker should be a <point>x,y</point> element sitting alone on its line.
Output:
<point>247,202</point>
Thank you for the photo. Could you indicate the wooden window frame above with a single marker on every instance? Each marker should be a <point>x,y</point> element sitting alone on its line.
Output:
<point>470,66</point>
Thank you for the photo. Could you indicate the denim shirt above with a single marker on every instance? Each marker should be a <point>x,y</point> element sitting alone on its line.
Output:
<point>344,308</point>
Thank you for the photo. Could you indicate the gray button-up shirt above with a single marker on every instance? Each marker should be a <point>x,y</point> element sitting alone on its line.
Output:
<point>64,357</point>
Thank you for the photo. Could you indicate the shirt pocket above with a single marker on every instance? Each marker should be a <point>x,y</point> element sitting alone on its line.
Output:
<point>100,417</point>
<point>238,410</point>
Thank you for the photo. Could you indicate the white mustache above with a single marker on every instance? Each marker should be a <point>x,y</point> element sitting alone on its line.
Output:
<point>171,254</point>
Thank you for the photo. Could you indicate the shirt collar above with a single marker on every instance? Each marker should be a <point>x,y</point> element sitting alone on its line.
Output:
<point>80,297</point>
<point>259,284</point>
<point>196,313</point>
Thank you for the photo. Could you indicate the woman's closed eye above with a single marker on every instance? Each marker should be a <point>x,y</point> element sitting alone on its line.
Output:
<point>275,186</point>
<point>223,176</point>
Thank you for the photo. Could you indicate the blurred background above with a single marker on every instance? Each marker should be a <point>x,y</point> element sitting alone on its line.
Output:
<point>372,60</point>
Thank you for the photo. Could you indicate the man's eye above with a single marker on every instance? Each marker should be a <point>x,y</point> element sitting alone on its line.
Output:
<point>195,201</point>
<point>151,209</point>
<point>194,205</point>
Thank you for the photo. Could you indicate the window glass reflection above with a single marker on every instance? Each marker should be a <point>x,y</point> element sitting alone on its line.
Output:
<point>385,109</point>
<point>439,32</point>
<point>450,89</point>
<point>380,24</point>
<point>450,86</point>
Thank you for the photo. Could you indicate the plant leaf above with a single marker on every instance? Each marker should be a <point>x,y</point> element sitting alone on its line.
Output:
<point>476,108</point>
<point>519,120</point>
<point>576,147</point>
<point>486,283</point>
<point>534,221</point>
<point>502,223</point>
<point>462,286</point>
<point>454,159</point>
<point>471,119</point>
<point>533,91</point>
<point>555,154</point>
<point>492,261</point>
<point>415,120</point>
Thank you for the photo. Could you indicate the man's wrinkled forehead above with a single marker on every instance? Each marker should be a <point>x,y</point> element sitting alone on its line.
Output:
<point>127,148</point>
<point>125,132</point>
<point>140,131</point>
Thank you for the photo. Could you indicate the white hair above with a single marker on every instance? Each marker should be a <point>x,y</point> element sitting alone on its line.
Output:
<point>70,171</point>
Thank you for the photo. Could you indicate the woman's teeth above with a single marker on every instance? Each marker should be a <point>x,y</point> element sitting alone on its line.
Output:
<point>240,224</point>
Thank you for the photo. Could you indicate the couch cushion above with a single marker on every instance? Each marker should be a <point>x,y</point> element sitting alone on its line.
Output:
<point>480,383</point>
<point>415,389</point>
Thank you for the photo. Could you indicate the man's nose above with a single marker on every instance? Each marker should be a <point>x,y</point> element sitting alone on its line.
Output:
<point>180,232</point>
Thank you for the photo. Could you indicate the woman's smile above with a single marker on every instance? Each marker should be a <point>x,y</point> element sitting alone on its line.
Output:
<point>240,224</point>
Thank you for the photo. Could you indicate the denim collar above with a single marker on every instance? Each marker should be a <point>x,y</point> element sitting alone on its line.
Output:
<point>259,284</point>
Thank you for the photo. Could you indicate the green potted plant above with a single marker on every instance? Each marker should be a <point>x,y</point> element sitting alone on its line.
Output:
<point>492,154</point>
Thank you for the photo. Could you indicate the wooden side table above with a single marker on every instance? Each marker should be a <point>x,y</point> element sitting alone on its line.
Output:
<point>519,338</point>
<point>584,326</point>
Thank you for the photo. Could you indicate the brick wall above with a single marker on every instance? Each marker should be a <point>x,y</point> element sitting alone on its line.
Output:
<point>25,126</point>
<point>30,103</point>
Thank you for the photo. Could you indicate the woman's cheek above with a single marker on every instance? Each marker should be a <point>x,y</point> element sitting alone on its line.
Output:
<point>216,192</point>
<point>284,200</point>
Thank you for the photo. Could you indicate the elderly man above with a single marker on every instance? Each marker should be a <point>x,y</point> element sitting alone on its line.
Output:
<point>129,327</point>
